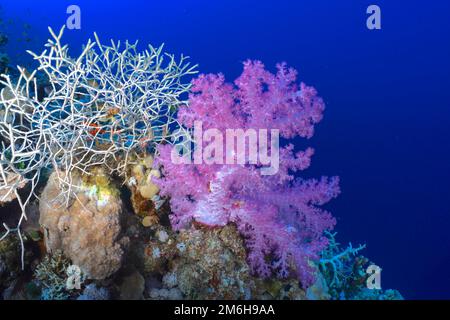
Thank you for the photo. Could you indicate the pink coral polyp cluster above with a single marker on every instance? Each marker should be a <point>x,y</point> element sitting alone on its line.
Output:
<point>279,215</point>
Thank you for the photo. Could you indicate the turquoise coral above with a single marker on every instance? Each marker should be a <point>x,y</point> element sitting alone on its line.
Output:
<point>51,277</point>
<point>344,271</point>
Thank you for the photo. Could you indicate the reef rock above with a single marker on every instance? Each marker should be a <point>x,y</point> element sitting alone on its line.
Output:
<point>209,264</point>
<point>88,230</point>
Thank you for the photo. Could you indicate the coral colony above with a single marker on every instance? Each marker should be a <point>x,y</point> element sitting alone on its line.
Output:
<point>103,105</point>
<point>278,215</point>
<point>216,161</point>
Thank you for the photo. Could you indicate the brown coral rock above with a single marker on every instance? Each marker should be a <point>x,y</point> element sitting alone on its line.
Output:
<point>88,230</point>
<point>212,265</point>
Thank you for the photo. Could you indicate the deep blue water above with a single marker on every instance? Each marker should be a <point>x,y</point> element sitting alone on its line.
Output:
<point>387,122</point>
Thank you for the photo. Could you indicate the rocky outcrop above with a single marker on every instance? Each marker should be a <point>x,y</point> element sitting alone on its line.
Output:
<point>203,263</point>
<point>88,231</point>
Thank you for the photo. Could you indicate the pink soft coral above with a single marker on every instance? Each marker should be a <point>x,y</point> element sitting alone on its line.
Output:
<point>279,215</point>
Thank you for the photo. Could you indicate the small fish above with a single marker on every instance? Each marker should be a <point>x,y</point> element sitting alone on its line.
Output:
<point>113,111</point>
<point>110,115</point>
<point>143,142</point>
<point>96,129</point>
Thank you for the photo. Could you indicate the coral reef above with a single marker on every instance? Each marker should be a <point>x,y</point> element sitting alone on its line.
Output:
<point>344,274</point>
<point>88,231</point>
<point>278,289</point>
<point>9,255</point>
<point>278,215</point>
<point>144,192</point>
<point>367,294</point>
<point>211,264</point>
<point>101,107</point>
<point>51,277</point>
<point>205,263</point>
<point>162,248</point>
<point>85,140</point>
<point>342,267</point>
<point>93,292</point>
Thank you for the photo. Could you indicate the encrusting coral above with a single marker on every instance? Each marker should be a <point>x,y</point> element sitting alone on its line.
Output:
<point>210,264</point>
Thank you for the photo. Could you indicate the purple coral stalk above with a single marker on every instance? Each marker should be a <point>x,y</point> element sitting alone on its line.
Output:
<point>279,216</point>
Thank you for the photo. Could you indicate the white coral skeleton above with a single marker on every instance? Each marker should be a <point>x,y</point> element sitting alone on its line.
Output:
<point>104,106</point>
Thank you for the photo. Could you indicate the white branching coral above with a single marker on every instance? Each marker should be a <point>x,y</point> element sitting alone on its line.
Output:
<point>100,109</point>
<point>23,150</point>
